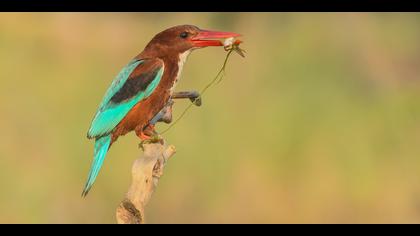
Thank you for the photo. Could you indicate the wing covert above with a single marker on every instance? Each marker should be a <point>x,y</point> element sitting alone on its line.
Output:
<point>135,82</point>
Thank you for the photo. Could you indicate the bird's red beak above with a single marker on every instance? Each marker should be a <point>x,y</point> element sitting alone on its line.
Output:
<point>211,38</point>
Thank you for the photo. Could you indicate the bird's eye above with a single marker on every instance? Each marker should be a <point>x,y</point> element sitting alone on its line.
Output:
<point>183,35</point>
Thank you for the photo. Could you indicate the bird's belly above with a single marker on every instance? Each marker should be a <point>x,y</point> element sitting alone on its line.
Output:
<point>141,114</point>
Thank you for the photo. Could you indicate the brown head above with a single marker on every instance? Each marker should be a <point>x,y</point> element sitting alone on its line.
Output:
<point>182,38</point>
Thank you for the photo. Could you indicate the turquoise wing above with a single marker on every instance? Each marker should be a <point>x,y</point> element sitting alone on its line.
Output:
<point>135,82</point>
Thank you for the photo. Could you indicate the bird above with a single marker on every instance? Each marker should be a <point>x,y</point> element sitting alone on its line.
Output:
<point>143,88</point>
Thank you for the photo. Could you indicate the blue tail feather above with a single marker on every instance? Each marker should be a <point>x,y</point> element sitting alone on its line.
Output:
<point>101,148</point>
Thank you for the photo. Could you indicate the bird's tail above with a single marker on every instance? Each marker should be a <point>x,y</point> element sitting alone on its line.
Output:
<point>102,145</point>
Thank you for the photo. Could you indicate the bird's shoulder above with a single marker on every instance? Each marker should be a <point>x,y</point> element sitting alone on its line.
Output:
<point>146,74</point>
<point>147,66</point>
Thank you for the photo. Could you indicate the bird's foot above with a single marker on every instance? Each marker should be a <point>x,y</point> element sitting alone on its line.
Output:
<point>149,135</point>
<point>194,96</point>
<point>156,138</point>
<point>196,101</point>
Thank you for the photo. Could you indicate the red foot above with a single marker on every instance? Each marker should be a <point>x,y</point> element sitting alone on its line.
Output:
<point>144,136</point>
<point>147,132</point>
<point>151,128</point>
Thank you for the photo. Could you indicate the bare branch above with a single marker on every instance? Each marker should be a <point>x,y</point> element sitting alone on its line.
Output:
<point>146,171</point>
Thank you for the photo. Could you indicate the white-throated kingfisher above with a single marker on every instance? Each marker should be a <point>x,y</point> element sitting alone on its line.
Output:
<point>144,87</point>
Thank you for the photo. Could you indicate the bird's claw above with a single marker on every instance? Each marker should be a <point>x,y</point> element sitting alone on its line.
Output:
<point>156,138</point>
<point>194,96</point>
<point>196,101</point>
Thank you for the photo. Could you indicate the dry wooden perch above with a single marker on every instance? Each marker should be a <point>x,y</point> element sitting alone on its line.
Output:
<point>146,171</point>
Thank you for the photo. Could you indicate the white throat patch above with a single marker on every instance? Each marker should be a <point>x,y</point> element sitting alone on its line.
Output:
<point>181,60</point>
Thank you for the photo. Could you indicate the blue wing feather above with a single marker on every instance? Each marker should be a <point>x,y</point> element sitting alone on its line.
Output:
<point>119,81</point>
<point>110,114</point>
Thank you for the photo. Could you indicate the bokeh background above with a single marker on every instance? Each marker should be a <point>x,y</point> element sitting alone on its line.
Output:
<point>320,123</point>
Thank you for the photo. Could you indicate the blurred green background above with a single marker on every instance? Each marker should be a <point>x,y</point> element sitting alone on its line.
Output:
<point>320,123</point>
